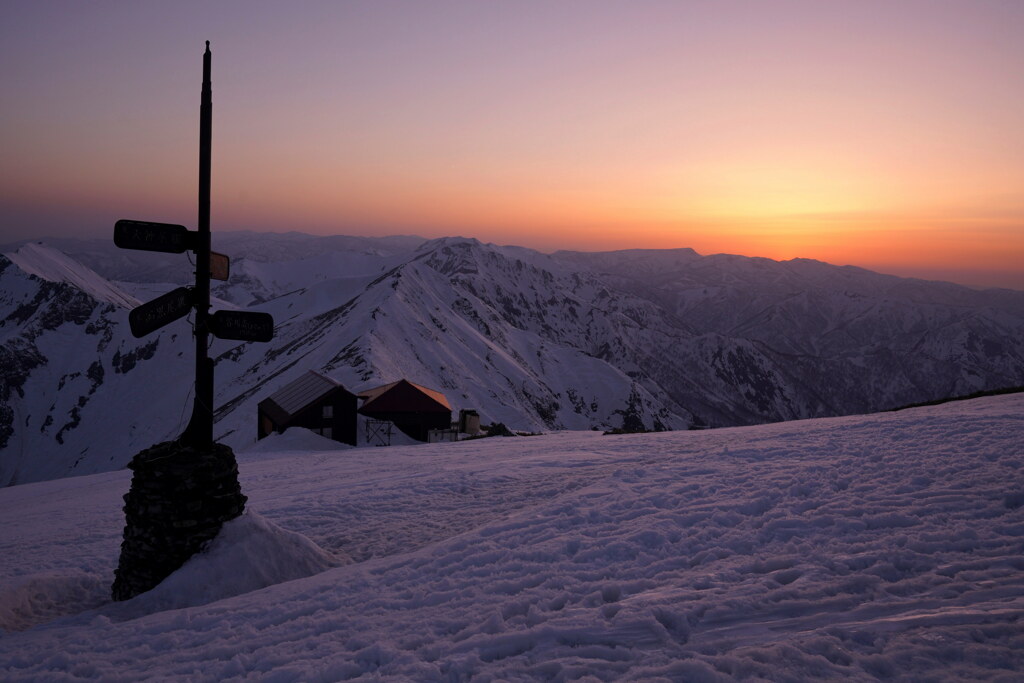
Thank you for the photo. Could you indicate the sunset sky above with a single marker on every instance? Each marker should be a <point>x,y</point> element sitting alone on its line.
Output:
<point>882,133</point>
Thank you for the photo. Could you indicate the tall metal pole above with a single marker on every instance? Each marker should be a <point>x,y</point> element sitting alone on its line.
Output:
<point>199,433</point>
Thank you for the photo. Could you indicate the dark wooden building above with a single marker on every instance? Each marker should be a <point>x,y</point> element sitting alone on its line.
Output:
<point>313,401</point>
<point>412,408</point>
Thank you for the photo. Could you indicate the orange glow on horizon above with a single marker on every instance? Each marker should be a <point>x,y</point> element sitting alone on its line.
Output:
<point>879,134</point>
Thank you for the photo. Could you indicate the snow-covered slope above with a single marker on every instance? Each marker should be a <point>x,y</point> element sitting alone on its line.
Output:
<point>871,547</point>
<point>635,339</point>
<point>64,354</point>
<point>419,321</point>
<point>53,265</point>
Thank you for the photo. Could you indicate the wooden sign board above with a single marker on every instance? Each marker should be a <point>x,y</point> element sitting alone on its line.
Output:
<point>242,325</point>
<point>162,310</point>
<point>145,236</point>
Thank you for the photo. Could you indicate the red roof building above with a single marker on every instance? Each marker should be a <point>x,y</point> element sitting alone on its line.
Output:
<point>412,408</point>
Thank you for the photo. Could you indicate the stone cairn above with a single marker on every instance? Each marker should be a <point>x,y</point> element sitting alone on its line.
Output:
<point>178,501</point>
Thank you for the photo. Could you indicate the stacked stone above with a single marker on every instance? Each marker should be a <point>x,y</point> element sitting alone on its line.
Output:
<point>178,501</point>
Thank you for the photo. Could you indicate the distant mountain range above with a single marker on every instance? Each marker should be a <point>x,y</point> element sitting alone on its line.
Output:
<point>638,339</point>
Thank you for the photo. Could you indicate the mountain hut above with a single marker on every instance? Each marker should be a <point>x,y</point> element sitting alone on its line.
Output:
<point>412,408</point>
<point>313,401</point>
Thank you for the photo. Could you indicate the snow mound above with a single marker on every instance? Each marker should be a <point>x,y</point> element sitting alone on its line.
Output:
<point>293,439</point>
<point>300,439</point>
<point>248,554</point>
<point>40,598</point>
<point>398,437</point>
<point>55,266</point>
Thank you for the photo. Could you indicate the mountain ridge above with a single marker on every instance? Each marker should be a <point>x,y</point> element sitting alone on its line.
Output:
<point>641,339</point>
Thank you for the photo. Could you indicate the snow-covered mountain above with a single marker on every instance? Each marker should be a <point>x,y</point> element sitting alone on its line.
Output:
<point>636,339</point>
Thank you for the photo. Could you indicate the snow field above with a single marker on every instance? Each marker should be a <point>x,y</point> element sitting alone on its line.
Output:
<point>863,547</point>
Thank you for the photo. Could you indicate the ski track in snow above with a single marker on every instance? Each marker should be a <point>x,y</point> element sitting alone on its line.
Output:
<point>863,547</point>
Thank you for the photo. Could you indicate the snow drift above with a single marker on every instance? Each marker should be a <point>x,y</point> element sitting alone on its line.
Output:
<point>249,553</point>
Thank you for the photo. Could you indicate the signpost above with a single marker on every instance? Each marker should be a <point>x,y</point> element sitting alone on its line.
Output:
<point>165,309</point>
<point>161,531</point>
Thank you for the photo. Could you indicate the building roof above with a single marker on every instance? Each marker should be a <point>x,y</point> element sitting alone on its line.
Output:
<point>293,397</point>
<point>402,395</point>
<point>369,394</point>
